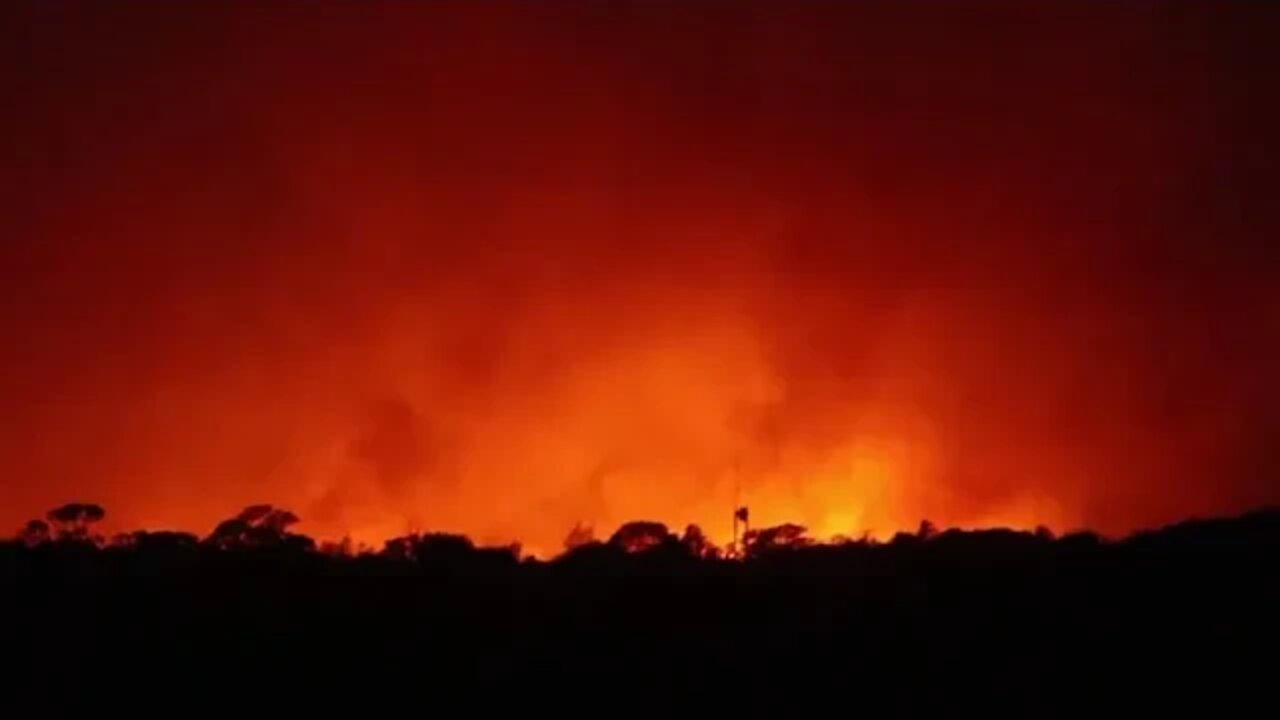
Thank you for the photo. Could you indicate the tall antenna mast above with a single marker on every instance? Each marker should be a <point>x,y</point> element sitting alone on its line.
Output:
<point>735,547</point>
<point>740,514</point>
<point>744,515</point>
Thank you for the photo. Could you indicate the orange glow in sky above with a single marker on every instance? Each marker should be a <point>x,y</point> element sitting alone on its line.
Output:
<point>507,268</point>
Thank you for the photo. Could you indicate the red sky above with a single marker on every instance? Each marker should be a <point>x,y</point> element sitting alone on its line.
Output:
<point>502,268</point>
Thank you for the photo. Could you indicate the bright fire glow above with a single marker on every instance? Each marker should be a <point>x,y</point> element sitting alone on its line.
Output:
<point>504,269</point>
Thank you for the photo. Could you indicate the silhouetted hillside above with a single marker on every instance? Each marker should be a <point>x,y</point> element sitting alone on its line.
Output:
<point>998,619</point>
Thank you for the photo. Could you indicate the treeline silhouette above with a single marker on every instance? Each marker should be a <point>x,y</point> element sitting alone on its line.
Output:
<point>935,618</point>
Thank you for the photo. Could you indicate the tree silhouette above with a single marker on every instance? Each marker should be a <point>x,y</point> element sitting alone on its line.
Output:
<point>73,521</point>
<point>163,541</point>
<point>400,548</point>
<point>343,548</point>
<point>35,532</point>
<point>259,526</point>
<point>640,535</point>
<point>926,530</point>
<point>578,536</point>
<point>697,545</point>
<point>434,550</point>
<point>787,536</point>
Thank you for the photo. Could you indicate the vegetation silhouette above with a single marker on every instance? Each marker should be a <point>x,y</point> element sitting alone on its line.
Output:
<point>1004,618</point>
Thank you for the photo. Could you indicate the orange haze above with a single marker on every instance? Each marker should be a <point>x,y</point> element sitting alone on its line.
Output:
<point>504,268</point>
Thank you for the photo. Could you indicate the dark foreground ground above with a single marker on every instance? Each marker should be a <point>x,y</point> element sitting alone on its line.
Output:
<point>981,621</point>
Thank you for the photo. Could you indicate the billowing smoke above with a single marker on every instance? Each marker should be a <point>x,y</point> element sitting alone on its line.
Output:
<point>502,269</point>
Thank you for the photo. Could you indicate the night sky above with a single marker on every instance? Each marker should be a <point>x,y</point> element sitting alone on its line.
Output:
<point>501,268</point>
